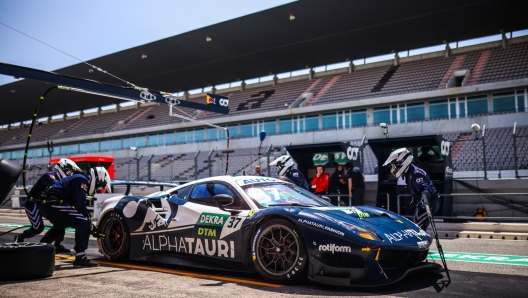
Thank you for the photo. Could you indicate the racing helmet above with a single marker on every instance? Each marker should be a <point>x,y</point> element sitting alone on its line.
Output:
<point>66,167</point>
<point>98,179</point>
<point>283,164</point>
<point>400,160</point>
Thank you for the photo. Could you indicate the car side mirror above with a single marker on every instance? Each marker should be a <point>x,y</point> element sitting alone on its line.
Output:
<point>222,200</point>
<point>326,198</point>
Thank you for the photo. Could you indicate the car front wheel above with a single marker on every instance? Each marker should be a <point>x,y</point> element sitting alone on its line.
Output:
<point>278,252</point>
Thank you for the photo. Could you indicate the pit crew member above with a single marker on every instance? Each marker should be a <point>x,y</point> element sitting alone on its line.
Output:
<point>66,205</point>
<point>418,182</point>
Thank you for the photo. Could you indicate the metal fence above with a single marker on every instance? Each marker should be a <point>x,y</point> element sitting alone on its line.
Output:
<point>481,154</point>
<point>186,167</point>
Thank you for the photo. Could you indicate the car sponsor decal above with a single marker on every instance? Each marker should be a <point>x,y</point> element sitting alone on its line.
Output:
<point>334,248</point>
<point>408,233</point>
<point>252,212</point>
<point>207,232</point>
<point>356,212</point>
<point>212,219</point>
<point>255,180</point>
<point>345,225</point>
<point>189,245</point>
<point>217,225</point>
<point>321,226</point>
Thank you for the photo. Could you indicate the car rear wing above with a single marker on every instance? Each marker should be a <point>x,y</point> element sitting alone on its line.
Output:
<point>129,183</point>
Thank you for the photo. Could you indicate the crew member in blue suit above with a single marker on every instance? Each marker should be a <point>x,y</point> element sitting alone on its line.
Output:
<point>66,206</point>
<point>418,182</point>
<point>63,168</point>
<point>285,168</point>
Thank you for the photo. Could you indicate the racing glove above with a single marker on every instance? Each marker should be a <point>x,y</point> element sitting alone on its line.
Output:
<point>96,232</point>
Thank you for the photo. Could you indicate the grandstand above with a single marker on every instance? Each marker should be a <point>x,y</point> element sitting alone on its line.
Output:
<point>341,104</point>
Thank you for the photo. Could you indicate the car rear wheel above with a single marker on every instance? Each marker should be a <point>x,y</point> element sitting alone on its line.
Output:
<point>279,252</point>
<point>115,245</point>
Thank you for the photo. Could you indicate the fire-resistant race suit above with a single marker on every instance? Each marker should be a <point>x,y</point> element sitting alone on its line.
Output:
<point>32,207</point>
<point>62,197</point>
<point>297,177</point>
<point>420,184</point>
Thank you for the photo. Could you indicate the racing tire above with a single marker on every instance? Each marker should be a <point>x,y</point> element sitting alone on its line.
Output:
<point>26,260</point>
<point>115,245</point>
<point>279,253</point>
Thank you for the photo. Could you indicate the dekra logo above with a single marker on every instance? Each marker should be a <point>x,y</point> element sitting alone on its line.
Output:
<point>211,219</point>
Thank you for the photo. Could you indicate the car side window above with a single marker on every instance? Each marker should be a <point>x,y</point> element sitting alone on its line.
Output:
<point>182,193</point>
<point>203,194</point>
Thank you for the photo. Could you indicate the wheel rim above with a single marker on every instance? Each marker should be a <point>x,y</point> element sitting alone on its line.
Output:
<point>277,250</point>
<point>114,236</point>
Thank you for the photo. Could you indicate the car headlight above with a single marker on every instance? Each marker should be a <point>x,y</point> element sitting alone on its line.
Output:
<point>361,232</point>
<point>368,235</point>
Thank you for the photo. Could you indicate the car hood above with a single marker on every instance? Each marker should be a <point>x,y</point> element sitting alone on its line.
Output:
<point>388,226</point>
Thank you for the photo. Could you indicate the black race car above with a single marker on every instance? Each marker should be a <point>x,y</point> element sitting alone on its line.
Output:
<point>266,225</point>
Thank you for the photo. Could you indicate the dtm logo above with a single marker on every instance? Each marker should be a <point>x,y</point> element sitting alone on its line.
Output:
<point>334,248</point>
<point>207,232</point>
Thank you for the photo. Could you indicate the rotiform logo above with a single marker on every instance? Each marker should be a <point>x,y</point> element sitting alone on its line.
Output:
<point>333,248</point>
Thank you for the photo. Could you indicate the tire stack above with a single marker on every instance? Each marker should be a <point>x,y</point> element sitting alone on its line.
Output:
<point>26,260</point>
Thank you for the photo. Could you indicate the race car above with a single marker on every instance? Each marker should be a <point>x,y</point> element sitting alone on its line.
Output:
<point>267,225</point>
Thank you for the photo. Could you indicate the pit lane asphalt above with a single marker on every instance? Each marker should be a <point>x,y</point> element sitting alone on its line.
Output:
<point>137,280</point>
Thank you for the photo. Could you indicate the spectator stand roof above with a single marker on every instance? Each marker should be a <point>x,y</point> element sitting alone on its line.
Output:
<point>269,42</point>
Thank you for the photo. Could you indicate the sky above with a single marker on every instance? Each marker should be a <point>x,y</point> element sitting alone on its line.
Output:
<point>95,28</point>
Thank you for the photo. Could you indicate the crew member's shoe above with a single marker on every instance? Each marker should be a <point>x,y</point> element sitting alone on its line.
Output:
<point>18,238</point>
<point>60,249</point>
<point>83,261</point>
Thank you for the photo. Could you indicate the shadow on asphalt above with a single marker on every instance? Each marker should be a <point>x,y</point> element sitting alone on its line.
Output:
<point>433,281</point>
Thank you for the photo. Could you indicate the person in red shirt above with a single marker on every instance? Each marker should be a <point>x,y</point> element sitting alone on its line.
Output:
<point>320,181</point>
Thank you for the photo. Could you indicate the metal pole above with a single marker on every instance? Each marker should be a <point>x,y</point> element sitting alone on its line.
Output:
<point>172,170</point>
<point>268,153</point>
<point>484,156</point>
<point>196,165</point>
<point>209,162</point>
<point>515,155</point>
<point>149,171</point>
<point>258,155</point>
<point>362,146</point>
<point>137,167</point>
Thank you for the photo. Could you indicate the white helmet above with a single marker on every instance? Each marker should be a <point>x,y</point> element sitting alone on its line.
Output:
<point>283,164</point>
<point>400,160</point>
<point>66,167</point>
<point>98,179</point>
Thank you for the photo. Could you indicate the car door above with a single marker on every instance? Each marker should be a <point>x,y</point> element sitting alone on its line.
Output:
<point>200,229</point>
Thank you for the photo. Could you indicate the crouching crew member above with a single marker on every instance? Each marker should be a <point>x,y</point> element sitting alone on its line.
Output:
<point>63,168</point>
<point>418,182</point>
<point>66,206</point>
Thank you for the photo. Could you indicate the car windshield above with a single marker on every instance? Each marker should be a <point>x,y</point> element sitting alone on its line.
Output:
<point>278,194</point>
